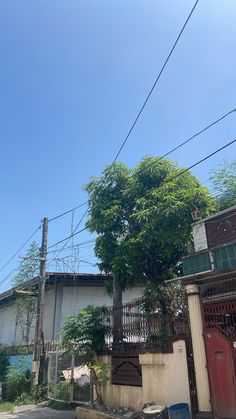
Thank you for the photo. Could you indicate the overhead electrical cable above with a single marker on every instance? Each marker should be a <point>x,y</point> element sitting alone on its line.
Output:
<point>196,135</point>
<point>18,251</point>
<point>167,180</point>
<point>155,83</point>
<point>6,277</point>
<point>196,164</point>
<point>67,212</point>
<point>192,137</point>
<point>144,103</point>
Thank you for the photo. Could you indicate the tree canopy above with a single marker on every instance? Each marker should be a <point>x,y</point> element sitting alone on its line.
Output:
<point>223,179</point>
<point>28,269</point>
<point>143,220</point>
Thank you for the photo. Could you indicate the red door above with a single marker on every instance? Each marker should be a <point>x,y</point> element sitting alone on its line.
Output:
<point>221,374</point>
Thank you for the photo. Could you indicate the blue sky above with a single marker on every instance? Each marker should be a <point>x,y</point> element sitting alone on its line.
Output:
<point>73,76</point>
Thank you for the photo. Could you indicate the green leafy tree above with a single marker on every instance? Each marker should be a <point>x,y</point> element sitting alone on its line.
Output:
<point>26,305</point>
<point>223,179</point>
<point>4,364</point>
<point>143,220</point>
<point>85,334</point>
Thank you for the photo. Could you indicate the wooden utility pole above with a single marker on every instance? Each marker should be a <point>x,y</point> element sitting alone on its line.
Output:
<point>39,336</point>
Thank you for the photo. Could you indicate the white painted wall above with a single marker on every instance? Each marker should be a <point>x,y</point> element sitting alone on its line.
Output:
<point>73,300</point>
<point>49,313</point>
<point>76,298</point>
<point>7,323</point>
<point>10,330</point>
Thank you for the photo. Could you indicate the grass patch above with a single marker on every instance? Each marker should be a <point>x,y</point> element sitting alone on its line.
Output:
<point>7,407</point>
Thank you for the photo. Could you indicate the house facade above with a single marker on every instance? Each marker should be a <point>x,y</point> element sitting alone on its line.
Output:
<point>210,282</point>
<point>66,294</point>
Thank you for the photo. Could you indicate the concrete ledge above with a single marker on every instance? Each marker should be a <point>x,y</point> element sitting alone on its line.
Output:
<point>85,413</point>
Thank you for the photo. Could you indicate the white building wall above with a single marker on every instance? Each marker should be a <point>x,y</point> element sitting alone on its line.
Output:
<point>8,324</point>
<point>76,298</point>
<point>49,313</point>
<point>73,300</point>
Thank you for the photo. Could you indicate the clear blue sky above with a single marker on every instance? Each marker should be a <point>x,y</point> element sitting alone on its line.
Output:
<point>74,74</point>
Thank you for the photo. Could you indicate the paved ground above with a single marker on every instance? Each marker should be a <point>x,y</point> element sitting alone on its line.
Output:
<point>34,412</point>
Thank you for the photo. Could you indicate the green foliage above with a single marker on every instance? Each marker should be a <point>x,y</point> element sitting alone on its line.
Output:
<point>39,392</point>
<point>143,225</point>
<point>24,398</point>
<point>101,372</point>
<point>223,179</point>
<point>60,390</point>
<point>82,393</point>
<point>16,383</point>
<point>28,269</point>
<point>167,297</point>
<point>85,333</point>
<point>4,364</point>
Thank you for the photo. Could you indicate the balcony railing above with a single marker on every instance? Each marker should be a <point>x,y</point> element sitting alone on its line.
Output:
<point>220,259</point>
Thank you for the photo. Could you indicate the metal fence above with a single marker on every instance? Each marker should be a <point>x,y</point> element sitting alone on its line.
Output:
<point>15,349</point>
<point>66,374</point>
<point>142,324</point>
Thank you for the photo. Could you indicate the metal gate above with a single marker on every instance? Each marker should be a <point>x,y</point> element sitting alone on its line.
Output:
<point>62,383</point>
<point>219,310</point>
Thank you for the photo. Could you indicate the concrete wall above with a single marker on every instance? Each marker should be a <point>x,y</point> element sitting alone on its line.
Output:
<point>165,381</point>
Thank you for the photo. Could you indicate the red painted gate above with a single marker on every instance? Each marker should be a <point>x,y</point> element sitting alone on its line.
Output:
<point>220,339</point>
<point>221,373</point>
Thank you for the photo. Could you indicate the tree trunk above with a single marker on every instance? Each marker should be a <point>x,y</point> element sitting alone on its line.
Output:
<point>117,309</point>
<point>166,329</point>
<point>98,387</point>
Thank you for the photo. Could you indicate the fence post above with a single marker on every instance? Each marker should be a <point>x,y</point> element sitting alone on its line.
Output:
<point>91,388</point>
<point>56,368</point>
<point>72,378</point>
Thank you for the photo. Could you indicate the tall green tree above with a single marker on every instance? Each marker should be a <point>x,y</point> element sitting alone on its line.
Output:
<point>26,305</point>
<point>143,221</point>
<point>223,179</point>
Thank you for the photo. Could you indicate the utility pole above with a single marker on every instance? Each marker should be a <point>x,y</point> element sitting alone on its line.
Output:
<point>38,355</point>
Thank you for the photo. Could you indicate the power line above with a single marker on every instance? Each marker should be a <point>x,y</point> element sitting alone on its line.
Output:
<point>67,238</point>
<point>74,231</point>
<point>18,251</point>
<point>67,212</point>
<point>6,277</point>
<point>197,134</point>
<point>155,83</point>
<point>142,107</point>
<point>82,244</point>
<point>167,180</point>
<point>166,154</point>
<point>160,158</point>
<point>196,164</point>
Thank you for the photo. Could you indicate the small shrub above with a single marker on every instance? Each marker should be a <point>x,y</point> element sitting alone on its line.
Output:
<point>39,392</point>
<point>16,383</point>
<point>23,399</point>
<point>60,390</point>
<point>4,364</point>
